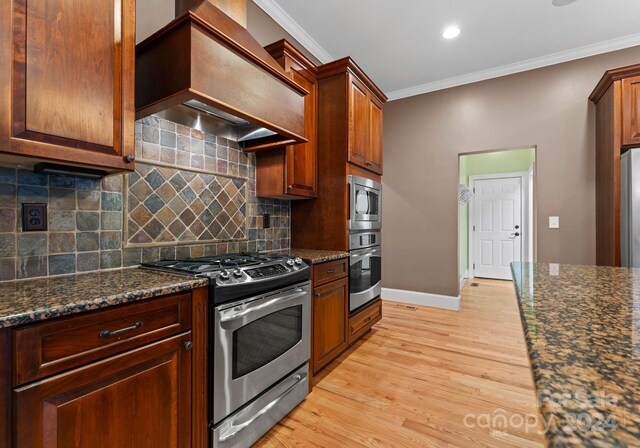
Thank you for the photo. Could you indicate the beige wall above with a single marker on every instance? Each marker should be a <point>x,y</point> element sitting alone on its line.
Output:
<point>423,135</point>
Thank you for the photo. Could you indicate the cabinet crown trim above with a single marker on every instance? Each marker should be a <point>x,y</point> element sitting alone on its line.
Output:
<point>284,48</point>
<point>610,76</point>
<point>348,65</point>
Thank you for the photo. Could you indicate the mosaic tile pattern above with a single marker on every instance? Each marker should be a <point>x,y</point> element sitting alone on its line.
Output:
<point>582,325</point>
<point>167,205</point>
<point>82,214</point>
<point>90,221</point>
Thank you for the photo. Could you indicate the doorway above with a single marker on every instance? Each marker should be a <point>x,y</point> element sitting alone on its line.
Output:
<point>496,212</point>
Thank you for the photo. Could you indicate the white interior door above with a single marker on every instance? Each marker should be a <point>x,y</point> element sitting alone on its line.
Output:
<point>497,226</point>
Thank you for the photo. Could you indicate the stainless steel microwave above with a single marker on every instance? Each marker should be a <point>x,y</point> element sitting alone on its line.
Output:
<point>365,204</point>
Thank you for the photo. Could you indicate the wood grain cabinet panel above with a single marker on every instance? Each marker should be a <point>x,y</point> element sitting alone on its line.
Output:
<point>139,399</point>
<point>291,172</point>
<point>631,111</point>
<point>68,82</point>
<point>374,160</point>
<point>330,315</point>
<point>52,347</point>
<point>363,320</point>
<point>358,123</point>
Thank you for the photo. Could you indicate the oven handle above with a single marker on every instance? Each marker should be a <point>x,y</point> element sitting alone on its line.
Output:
<point>237,428</point>
<point>241,311</point>
<point>366,253</point>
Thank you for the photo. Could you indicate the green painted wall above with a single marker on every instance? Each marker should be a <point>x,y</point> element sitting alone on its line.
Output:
<point>485,163</point>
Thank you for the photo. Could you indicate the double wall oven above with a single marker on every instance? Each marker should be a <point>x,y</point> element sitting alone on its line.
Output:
<point>365,253</point>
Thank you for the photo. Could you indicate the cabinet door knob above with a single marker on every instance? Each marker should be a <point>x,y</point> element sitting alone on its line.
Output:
<point>317,294</point>
<point>188,345</point>
<point>129,158</point>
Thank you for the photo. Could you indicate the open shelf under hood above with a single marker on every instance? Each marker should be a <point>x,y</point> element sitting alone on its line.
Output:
<point>205,71</point>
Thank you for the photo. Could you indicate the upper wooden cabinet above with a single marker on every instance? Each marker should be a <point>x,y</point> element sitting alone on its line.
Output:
<point>363,106</point>
<point>291,172</point>
<point>631,111</point>
<point>66,82</point>
<point>617,99</point>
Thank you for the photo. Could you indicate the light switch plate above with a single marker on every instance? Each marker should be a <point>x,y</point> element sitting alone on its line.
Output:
<point>554,269</point>
<point>554,222</point>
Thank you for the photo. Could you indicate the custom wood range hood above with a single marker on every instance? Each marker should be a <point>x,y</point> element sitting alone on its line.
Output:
<point>204,70</point>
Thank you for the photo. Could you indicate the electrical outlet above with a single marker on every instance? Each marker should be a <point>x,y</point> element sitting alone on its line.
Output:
<point>266,221</point>
<point>554,269</point>
<point>554,222</point>
<point>34,217</point>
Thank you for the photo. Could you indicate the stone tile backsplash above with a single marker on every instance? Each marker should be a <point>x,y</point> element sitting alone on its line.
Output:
<point>192,194</point>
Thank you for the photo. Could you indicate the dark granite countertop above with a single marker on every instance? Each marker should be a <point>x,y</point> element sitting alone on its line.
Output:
<point>582,325</point>
<point>318,256</point>
<point>26,301</point>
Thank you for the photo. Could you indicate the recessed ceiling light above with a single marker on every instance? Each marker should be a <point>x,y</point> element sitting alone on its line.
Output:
<point>563,2</point>
<point>450,32</point>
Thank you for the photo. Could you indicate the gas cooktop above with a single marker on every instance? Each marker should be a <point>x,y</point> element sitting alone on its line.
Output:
<point>233,276</point>
<point>217,263</point>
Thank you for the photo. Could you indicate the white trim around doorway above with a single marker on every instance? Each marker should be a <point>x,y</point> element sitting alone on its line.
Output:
<point>524,176</point>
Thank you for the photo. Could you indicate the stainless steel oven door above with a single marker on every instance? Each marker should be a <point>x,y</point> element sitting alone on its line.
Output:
<point>365,204</point>
<point>365,276</point>
<point>257,342</point>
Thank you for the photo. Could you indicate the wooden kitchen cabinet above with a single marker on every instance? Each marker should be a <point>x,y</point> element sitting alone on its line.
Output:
<point>70,384</point>
<point>291,172</point>
<point>631,111</point>
<point>364,319</point>
<point>330,316</point>
<point>350,140</point>
<point>131,400</point>
<point>361,111</point>
<point>358,123</point>
<point>617,100</point>
<point>67,83</point>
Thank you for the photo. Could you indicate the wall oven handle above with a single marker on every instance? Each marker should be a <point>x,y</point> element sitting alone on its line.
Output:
<point>235,429</point>
<point>238,312</point>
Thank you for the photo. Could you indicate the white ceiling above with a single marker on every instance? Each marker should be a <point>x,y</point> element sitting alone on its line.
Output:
<point>400,45</point>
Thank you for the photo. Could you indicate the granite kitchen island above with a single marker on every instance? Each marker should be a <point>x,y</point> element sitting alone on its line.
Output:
<point>582,325</point>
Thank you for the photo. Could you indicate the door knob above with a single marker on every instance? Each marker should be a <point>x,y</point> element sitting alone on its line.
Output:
<point>514,235</point>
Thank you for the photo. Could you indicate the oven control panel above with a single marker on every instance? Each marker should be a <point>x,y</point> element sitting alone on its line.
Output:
<point>266,271</point>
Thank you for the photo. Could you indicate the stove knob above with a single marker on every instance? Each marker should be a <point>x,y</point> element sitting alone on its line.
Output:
<point>298,260</point>
<point>224,275</point>
<point>290,261</point>
<point>237,273</point>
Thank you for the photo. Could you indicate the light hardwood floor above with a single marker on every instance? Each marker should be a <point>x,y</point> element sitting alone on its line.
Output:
<point>425,377</point>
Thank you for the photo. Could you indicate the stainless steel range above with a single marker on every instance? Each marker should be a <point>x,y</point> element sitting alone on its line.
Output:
<point>260,310</point>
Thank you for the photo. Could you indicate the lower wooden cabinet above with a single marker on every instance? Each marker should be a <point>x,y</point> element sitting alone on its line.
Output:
<point>131,400</point>
<point>130,376</point>
<point>364,319</point>
<point>330,314</point>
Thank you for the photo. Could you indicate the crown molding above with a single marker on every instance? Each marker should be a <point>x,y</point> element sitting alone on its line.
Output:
<point>292,27</point>
<point>531,64</point>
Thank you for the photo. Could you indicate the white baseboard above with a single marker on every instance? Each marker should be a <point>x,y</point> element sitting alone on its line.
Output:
<point>464,277</point>
<point>421,298</point>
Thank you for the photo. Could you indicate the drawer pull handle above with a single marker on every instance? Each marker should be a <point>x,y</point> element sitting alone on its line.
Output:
<point>331,271</point>
<point>317,294</point>
<point>107,333</point>
<point>367,319</point>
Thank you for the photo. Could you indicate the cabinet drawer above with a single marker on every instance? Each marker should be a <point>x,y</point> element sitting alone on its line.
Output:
<point>52,347</point>
<point>360,323</point>
<point>330,271</point>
